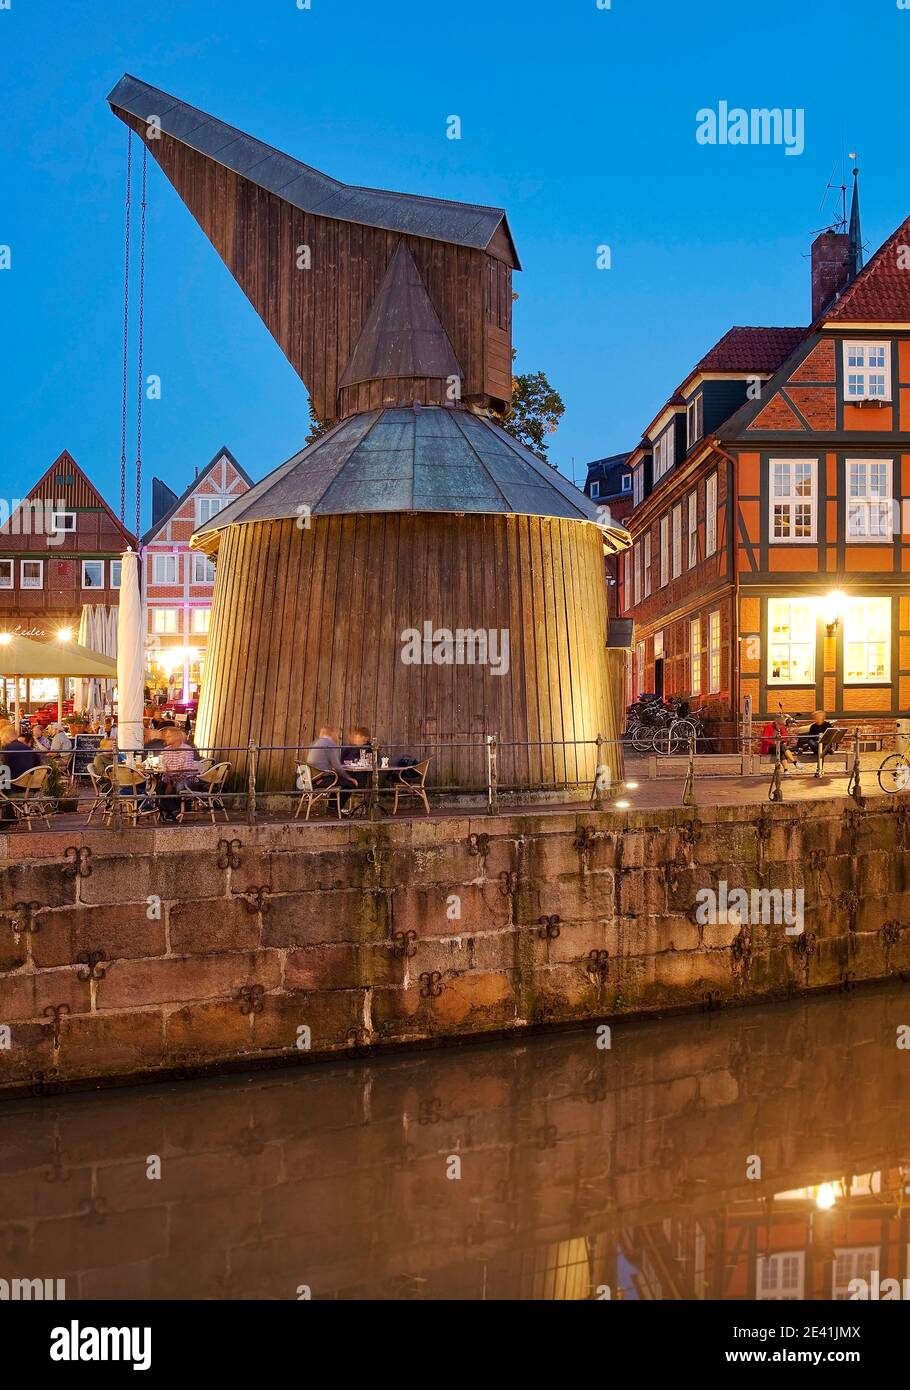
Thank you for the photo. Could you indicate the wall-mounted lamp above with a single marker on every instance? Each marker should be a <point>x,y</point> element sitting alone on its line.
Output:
<point>834,604</point>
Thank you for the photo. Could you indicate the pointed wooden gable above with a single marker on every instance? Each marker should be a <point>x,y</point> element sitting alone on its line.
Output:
<point>66,486</point>
<point>403,336</point>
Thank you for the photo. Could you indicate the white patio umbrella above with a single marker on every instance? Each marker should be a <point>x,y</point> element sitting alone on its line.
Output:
<point>130,657</point>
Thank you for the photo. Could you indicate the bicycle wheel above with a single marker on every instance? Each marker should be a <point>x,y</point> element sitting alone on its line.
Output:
<point>894,773</point>
<point>642,737</point>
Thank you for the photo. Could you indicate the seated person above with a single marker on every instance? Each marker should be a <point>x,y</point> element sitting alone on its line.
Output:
<point>359,749</point>
<point>15,758</point>
<point>809,741</point>
<point>60,739</point>
<point>103,759</point>
<point>178,761</point>
<point>324,759</point>
<point>774,729</point>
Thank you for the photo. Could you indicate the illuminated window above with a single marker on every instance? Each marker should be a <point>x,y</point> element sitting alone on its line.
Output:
<point>640,666</point>
<point>664,551</point>
<point>867,371</point>
<point>636,565</point>
<point>714,652</point>
<point>677,542</point>
<point>792,499</point>
<point>165,620</point>
<point>791,641</point>
<point>869,504</point>
<point>711,514</point>
<point>867,640</point>
<point>199,619</point>
<point>695,656</point>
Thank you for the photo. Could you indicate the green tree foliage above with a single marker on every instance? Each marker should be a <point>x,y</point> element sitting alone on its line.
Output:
<point>317,427</point>
<point>535,411</point>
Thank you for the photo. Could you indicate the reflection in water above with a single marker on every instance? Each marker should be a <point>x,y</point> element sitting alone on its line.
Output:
<point>580,1169</point>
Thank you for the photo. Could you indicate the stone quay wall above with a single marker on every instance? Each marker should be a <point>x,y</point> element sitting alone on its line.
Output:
<point>135,953</point>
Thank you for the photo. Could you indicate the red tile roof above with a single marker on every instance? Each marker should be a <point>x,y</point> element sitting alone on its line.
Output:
<point>881,291</point>
<point>750,350</point>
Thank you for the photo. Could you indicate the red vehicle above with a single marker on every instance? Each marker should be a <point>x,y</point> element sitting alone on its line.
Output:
<point>183,707</point>
<point>47,713</point>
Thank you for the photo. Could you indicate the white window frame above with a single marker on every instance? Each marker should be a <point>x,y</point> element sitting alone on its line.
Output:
<point>639,667</point>
<point>646,564</point>
<point>200,612</point>
<point>693,529</point>
<point>595,488</point>
<point>165,559</point>
<point>872,510</point>
<point>857,632</point>
<point>205,504</point>
<point>677,541</point>
<point>203,561</point>
<point>694,419</point>
<point>710,514</point>
<point>92,562</point>
<point>4,562</point>
<point>782,504</point>
<point>860,1260</point>
<point>865,381</point>
<point>664,551</point>
<point>636,570</point>
<point>56,529</point>
<point>695,656</point>
<point>638,485</point>
<point>771,1289</point>
<point>22,583</point>
<point>116,573</point>
<point>658,644</point>
<point>664,452</point>
<point>161,628</point>
<point>715,651</point>
<point>791,641</point>
<point>627,580</point>
<point>626,483</point>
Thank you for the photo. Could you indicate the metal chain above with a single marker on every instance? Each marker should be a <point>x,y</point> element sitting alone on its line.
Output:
<point>140,333</point>
<point>126,327</point>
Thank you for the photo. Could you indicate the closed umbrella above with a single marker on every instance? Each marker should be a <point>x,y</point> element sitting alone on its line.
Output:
<point>130,657</point>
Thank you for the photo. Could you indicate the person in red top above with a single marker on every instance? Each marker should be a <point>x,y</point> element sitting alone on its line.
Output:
<point>773,729</point>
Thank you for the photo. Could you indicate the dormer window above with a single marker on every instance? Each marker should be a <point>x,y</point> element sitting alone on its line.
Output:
<point>694,429</point>
<point>867,371</point>
<point>627,482</point>
<point>663,454</point>
<point>595,488</point>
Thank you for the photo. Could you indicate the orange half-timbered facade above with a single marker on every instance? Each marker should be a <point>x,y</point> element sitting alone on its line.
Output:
<point>178,582</point>
<point>771,554</point>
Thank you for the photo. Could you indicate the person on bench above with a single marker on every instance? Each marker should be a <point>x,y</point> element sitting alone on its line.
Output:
<point>809,741</point>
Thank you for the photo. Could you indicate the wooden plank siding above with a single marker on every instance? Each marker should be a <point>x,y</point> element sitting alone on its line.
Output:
<point>307,629</point>
<point>316,315</point>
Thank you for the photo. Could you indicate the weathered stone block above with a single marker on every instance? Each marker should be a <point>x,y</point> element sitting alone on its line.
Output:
<point>305,919</point>
<point>115,931</point>
<point>330,1016</point>
<point>180,979</point>
<point>166,876</point>
<point>26,996</point>
<point>111,1044</point>
<point>199,927</point>
<point>46,884</point>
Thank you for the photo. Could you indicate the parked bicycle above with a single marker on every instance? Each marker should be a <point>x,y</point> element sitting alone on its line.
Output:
<point>894,773</point>
<point>662,726</point>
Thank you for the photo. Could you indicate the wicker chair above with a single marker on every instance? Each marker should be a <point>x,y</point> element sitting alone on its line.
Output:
<point>404,787</point>
<point>102,791</point>
<point>33,801</point>
<point>210,796</point>
<point>313,795</point>
<point>134,802</point>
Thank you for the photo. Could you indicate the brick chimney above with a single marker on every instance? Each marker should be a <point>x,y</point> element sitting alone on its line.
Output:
<point>831,269</point>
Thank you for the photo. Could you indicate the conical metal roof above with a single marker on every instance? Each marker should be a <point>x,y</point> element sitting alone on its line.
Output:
<point>430,459</point>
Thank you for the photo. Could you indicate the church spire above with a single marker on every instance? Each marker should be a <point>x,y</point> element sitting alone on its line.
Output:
<point>856,240</point>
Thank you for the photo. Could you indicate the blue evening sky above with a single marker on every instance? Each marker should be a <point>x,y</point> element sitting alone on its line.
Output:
<point>579,121</point>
